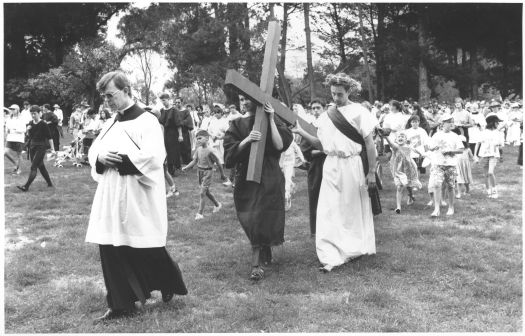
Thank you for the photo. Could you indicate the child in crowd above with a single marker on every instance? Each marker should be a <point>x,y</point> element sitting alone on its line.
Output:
<point>418,139</point>
<point>488,148</point>
<point>404,169</point>
<point>287,162</point>
<point>204,158</point>
<point>464,170</point>
<point>446,145</point>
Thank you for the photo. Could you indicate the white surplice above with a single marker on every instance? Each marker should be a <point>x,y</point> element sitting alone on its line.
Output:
<point>345,224</point>
<point>131,209</point>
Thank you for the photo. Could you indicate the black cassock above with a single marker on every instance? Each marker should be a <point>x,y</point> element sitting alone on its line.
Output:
<point>259,206</point>
<point>177,152</point>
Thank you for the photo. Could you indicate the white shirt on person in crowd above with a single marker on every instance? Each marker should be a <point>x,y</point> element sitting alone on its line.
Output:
<point>445,141</point>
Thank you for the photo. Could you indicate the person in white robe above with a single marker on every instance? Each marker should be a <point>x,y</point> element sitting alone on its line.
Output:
<point>129,217</point>
<point>345,224</point>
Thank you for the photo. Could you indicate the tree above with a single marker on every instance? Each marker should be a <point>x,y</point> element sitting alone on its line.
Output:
<point>306,9</point>
<point>38,35</point>
<point>73,81</point>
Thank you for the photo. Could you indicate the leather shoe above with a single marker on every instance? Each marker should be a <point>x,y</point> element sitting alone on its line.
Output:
<point>167,296</point>
<point>111,314</point>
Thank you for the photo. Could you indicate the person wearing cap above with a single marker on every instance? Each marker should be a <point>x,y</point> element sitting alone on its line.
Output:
<point>15,129</point>
<point>60,115</point>
<point>128,219</point>
<point>445,145</point>
<point>39,141</point>
<point>204,158</point>
<point>488,149</point>
<point>515,121</point>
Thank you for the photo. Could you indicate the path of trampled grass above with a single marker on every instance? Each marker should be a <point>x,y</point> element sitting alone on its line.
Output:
<point>452,274</point>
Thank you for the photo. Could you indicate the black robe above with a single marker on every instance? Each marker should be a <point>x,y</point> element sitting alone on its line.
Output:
<point>177,152</point>
<point>259,206</point>
<point>315,177</point>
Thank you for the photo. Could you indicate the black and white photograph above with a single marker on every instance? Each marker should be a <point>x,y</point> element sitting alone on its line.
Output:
<point>262,167</point>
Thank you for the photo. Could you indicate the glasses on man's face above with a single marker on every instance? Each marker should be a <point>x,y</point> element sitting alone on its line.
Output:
<point>108,96</point>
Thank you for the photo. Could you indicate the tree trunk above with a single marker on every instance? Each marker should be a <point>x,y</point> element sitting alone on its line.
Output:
<point>380,49</point>
<point>284,36</point>
<point>424,91</point>
<point>474,72</point>
<point>340,35</point>
<point>272,13</point>
<point>309,49</point>
<point>365,55</point>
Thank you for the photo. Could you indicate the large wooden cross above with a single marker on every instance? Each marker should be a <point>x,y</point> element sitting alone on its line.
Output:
<point>260,95</point>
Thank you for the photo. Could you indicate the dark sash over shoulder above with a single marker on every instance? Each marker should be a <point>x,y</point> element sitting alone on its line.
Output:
<point>350,132</point>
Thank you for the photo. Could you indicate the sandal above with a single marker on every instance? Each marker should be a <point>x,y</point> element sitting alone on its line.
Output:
<point>257,273</point>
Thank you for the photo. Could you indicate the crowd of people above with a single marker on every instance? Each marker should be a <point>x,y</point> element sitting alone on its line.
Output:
<point>136,158</point>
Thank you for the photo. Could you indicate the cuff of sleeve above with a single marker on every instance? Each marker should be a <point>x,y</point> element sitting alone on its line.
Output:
<point>99,167</point>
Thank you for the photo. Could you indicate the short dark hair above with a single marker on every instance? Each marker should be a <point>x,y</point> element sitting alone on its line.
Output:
<point>414,117</point>
<point>26,102</point>
<point>397,105</point>
<point>47,106</point>
<point>120,80</point>
<point>35,108</point>
<point>164,96</point>
<point>316,101</point>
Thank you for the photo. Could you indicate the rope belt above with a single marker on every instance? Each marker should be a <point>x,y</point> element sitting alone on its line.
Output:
<point>341,154</point>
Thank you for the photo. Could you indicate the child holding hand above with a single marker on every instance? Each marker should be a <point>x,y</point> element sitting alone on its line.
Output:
<point>404,169</point>
<point>204,158</point>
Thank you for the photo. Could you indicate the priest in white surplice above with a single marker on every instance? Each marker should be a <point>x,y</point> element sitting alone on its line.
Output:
<point>128,217</point>
<point>345,224</point>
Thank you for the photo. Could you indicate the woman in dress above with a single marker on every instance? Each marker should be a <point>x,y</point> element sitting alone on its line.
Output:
<point>259,206</point>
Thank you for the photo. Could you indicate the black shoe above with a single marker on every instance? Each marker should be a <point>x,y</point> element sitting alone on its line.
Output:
<point>111,314</point>
<point>166,297</point>
<point>23,188</point>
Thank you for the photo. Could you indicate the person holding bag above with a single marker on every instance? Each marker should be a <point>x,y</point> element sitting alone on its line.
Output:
<point>345,224</point>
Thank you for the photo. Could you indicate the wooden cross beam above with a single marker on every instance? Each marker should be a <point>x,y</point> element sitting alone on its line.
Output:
<point>260,95</point>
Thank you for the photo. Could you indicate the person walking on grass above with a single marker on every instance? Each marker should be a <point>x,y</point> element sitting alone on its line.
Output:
<point>204,158</point>
<point>345,222</point>
<point>15,136</point>
<point>39,141</point>
<point>259,206</point>
<point>445,145</point>
<point>488,149</point>
<point>128,217</point>
<point>464,168</point>
<point>404,169</point>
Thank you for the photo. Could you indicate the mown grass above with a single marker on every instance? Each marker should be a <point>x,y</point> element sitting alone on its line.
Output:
<point>451,274</point>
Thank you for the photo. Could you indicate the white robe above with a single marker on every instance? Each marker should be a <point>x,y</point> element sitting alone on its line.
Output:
<point>130,210</point>
<point>345,224</point>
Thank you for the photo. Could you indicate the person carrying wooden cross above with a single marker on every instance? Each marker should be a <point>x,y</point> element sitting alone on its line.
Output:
<point>259,206</point>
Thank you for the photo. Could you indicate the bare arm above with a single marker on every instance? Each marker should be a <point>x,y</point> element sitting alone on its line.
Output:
<point>312,140</point>
<point>274,132</point>
<point>371,155</point>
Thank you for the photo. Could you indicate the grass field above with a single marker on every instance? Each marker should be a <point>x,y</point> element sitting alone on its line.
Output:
<point>462,273</point>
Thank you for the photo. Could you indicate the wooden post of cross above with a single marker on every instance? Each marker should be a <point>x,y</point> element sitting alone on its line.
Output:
<point>260,95</point>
